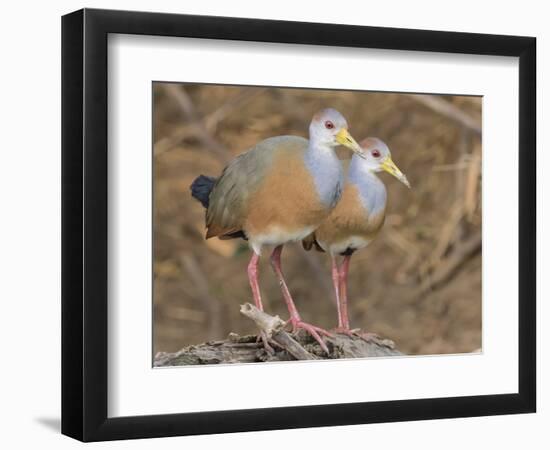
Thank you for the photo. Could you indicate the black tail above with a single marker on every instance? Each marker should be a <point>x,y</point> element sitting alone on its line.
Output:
<point>201,188</point>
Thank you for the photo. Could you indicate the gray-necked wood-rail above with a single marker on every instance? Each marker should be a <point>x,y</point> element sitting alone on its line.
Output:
<point>357,218</point>
<point>279,191</point>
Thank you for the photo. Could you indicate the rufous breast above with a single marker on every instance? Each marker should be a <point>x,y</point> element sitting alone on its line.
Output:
<point>351,224</point>
<point>286,201</point>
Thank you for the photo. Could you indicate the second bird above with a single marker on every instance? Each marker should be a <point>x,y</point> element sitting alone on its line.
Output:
<point>357,218</point>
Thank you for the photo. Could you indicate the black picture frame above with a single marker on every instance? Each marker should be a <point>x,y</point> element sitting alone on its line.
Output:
<point>84,224</point>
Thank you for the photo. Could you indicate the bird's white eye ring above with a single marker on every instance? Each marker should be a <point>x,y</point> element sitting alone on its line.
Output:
<point>329,125</point>
<point>375,153</point>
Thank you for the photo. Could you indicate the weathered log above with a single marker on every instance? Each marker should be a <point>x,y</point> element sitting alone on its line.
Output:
<point>285,346</point>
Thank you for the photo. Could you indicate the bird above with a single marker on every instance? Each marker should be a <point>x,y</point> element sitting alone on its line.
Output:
<point>277,192</point>
<point>357,218</point>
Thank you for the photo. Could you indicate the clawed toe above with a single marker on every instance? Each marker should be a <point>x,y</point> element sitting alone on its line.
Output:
<point>315,332</point>
<point>367,336</point>
<point>346,331</point>
<point>356,332</point>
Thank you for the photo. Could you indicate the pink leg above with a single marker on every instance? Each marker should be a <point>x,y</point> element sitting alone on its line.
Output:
<point>344,327</point>
<point>253,279</point>
<point>295,318</point>
<point>336,284</point>
<point>343,318</point>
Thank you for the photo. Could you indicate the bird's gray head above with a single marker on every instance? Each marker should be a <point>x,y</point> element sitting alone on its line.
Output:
<point>329,128</point>
<point>377,158</point>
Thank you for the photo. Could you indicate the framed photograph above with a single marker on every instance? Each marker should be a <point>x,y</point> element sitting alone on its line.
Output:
<point>273,224</point>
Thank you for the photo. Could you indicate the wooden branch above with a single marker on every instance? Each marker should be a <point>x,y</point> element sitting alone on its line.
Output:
<point>286,346</point>
<point>188,110</point>
<point>449,110</point>
<point>272,327</point>
<point>245,95</point>
<point>448,267</point>
<point>192,127</point>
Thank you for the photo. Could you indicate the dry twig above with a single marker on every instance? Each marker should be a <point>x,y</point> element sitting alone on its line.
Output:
<point>472,184</point>
<point>449,266</point>
<point>447,109</point>
<point>185,103</point>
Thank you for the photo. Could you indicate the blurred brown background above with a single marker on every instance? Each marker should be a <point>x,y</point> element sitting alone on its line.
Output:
<point>418,283</point>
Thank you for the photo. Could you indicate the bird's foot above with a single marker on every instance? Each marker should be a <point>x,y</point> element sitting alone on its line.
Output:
<point>356,332</point>
<point>344,330</point>
<point>367,336</point>
<point>315,332</point>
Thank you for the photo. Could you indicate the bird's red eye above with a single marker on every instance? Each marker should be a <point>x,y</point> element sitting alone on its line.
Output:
<point>329,125</point>
<point>375,153</point>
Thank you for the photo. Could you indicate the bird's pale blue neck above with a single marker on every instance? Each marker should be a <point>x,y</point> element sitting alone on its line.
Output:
<point>372,190</point>
<point>326,169</point>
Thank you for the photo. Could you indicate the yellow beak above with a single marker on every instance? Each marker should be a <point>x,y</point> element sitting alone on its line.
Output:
<point>344,138</point>
<point>389,166</point>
